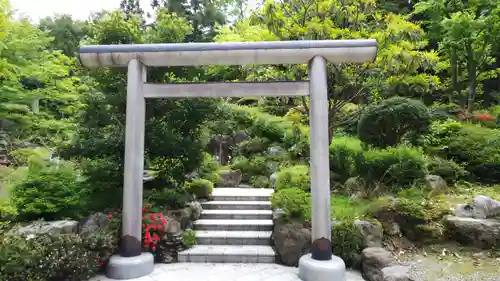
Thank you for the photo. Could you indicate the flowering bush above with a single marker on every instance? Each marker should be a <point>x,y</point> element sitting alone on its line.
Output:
<point>153,226</point>
<point>46,258</point>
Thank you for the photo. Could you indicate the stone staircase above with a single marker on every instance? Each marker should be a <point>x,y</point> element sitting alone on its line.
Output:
<point>234,228</point>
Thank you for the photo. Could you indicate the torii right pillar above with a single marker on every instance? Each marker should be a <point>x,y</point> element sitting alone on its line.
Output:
<point>320,264</point>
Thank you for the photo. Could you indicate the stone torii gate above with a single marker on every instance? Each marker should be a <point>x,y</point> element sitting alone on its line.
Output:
<point>132,263</point>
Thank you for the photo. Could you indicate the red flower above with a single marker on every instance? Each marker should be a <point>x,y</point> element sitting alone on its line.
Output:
<point>484,117</point>
<point>156,237</point>
<point>110,216</point>
<point>153,248</point>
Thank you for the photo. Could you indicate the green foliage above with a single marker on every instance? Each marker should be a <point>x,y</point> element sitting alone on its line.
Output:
<point>394,167</point>
<point>392,120</point>
<point>476,147</point>
<point>250,147</point>
<point>256,166</point>
<point>46,258</point>
<point>209,169</point>
<point>343,154</point>
<point>347,242</point>
<point>294,202</point>
<point>294,177</point>
<point>260,182</point>
<point>447,169</point>
<point>200,188</point>
<point>276,129</point>
<point>21,156</point>
<point>50,191</point>
<point>169,198</point>
<point>189,237</point>
<point>346,208</point>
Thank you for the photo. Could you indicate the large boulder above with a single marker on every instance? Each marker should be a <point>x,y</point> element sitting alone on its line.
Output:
<point>373,260</point>
<point>482,207</point>
<point>484,233</point>
<point>372,233</point>
<point>51,227</point>
<point>230,178</point>
<point>291,241</point>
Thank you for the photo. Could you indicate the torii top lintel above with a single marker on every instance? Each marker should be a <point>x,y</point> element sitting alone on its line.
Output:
<point>229,53</point>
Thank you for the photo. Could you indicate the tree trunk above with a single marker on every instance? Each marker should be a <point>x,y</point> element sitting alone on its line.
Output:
<point>454,75</point>
<point>471,63</point>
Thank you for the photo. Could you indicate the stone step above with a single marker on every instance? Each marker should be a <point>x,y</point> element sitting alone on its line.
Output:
<point>219,237</point>
<point>234,225</point>
<point>237,214</point>
<point>236,205</point>
<point>242,194</point>
<point>240,198</point>
<point>228,254</point>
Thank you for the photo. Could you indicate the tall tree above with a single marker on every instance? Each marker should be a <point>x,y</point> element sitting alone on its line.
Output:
<point>402,66</point>
<point>467,33</point>
<point>203,15</point>
<point>67,33</point>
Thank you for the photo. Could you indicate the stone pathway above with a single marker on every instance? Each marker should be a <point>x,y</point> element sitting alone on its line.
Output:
<point>224,272</point>
<point>234,228</point>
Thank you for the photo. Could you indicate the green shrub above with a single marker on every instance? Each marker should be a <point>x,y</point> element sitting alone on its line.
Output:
<point>294,177</point>
<point>103,183</point>
<point>294,202</point>
<point>170,198</point>
<point>274,128</point>
<point>343,153</point>
<point>447,169</point>
<point>209,168</point>
<point>46,258</point>
<point>50,191</point>
<point>201,188</point>
<point>256,166</point>
<point>394,167</point>
<point>347,242</point>
<point>21,156</point>
<point>105,241</point>
<point>260,182</point>
<point>250,147</point>
<point>476,147</point>
<point>189,237</point>
<point>392,120</point>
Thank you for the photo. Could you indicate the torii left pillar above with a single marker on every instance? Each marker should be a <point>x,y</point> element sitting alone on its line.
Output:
<point>132,263</point>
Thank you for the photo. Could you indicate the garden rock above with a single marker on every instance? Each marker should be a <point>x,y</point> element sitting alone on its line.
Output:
<point>291,242</point>
<point>272,179</point>
<point>353,186</point>
<point>275,150</point>
<point>396,273</point>
<point>93,223</point>
<point>183,216</point>
<point>373,260</point>
<point>278,214</point>
<point>172,227</point>
<point>372,233</point>
<point>196,210</point>
<point>230,178</point>
<point>436,183</point>
<point>482,207</point>
<point>53,227</point>
<point>483,233</point>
